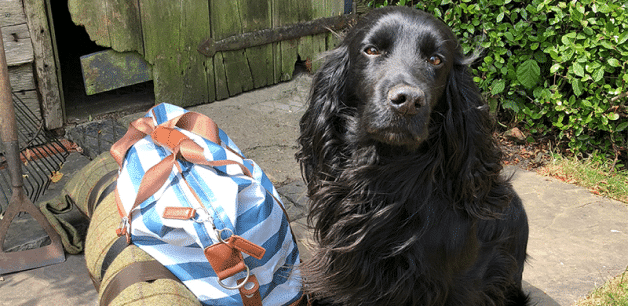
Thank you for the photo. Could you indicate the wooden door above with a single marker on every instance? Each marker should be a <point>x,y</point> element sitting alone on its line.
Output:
<point>167,33</point>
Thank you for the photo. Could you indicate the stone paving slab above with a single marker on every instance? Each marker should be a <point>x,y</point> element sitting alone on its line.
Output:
<point>577,242</point>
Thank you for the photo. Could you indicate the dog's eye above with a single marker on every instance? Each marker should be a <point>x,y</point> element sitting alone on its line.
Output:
<point>435,60</point>
<point>372,51</point>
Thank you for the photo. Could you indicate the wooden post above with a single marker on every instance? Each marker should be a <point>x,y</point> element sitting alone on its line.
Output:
<point>45,64</point>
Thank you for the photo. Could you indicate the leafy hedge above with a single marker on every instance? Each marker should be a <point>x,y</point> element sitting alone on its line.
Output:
<point>557,68</point>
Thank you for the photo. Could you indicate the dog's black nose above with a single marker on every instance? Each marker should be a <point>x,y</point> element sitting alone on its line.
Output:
<point>406,100</point>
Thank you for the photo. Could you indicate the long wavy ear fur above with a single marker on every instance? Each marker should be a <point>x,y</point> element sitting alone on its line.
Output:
<point>320,143</point>
<point>473,156</point>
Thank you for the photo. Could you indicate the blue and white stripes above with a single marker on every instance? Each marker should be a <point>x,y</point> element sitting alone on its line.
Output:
<point>232,200</point>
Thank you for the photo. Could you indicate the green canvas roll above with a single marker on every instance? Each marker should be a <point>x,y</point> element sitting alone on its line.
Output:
<point>76,193</point>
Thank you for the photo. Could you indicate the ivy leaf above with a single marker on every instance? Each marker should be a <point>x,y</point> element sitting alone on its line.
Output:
<point>613,62</point>
<point>613,116</point>
<point>622,126</point>
<point>622,38</point>
<point>606,44</point>
<point>577,87</point>
<point>529,73</point>
<point>598,75</point>
<point>500,17</point>
<point>498,87</point>
<point>578,69</point>
<point>512,105</point>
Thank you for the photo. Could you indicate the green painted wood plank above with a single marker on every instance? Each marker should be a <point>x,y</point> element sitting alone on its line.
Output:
<point>305,48</point>
<point>256,16</point>
<point>261,63</point>
<point>322,9</point>
<point>333,41</point>
<point>124,25</point>
<point>161,21</point>
<point>167,87</point>
<point>289,57</point>
<point>195,28</point>
<point>220,77</point>
<point>211,80</point>
<point>335,7</point>
<point>318,9</point>
<point>305,11</point>
<point>319,44</point>
<point>276,47</point>
<point>286,12</point>
<point>276,62</point>
<point>238,70</point>
<point>217,69</point>
<point>226,18</point>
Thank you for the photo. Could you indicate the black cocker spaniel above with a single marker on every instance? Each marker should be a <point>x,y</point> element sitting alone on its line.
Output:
<point>407,201</point>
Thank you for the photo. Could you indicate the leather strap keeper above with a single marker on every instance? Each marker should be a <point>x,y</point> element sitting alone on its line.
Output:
<point>224,259</point>
<point>179,213</point>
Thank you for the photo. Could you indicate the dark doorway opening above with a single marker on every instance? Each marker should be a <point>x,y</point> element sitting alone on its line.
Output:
<point>72,43</point>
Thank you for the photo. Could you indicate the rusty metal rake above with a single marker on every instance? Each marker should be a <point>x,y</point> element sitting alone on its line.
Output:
<point>19,202</point>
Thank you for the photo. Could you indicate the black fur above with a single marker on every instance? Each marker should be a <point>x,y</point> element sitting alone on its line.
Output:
<point>403,174</point>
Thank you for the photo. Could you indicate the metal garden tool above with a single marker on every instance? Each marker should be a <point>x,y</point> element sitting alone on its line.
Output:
<point>34,258</point>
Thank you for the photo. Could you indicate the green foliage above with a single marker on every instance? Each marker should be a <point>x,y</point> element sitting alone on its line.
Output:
<point>555,67</point>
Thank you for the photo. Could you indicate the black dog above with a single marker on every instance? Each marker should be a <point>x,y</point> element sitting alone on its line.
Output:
<point>403,174</point>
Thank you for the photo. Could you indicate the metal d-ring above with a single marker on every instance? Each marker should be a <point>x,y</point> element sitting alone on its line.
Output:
<point>237,286</point>
<point>219,233</point>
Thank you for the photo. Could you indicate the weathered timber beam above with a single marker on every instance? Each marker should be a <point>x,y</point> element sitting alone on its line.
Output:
<point>262,37</point>
<point>107,70</point>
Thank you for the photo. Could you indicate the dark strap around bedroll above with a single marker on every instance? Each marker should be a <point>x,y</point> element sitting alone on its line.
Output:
<point>92,203</point>
<point>142,271</point>
<point>116,248</point>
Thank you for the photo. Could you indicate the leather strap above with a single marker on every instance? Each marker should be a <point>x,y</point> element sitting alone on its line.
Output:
<point>137,130</point>
<point>191,121</point>
<point>108,190</point>
<point>93,194</point>
<point>142,271</point>
<point>116,248</point>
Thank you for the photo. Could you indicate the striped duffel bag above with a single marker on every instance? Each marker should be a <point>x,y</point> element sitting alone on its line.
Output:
<point>188,197</point>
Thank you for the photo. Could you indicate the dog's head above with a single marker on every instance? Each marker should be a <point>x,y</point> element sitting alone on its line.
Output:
<point>399,63</point>
<point>398,85</point>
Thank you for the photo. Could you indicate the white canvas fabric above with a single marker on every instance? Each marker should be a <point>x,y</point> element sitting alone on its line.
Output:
<point>230,200</point>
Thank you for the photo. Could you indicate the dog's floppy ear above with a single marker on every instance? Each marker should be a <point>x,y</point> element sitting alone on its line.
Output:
<point>473,156</point>
<point>322,124</point>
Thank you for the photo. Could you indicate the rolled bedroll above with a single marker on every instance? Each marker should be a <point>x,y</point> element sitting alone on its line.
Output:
<point>123,274</point>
